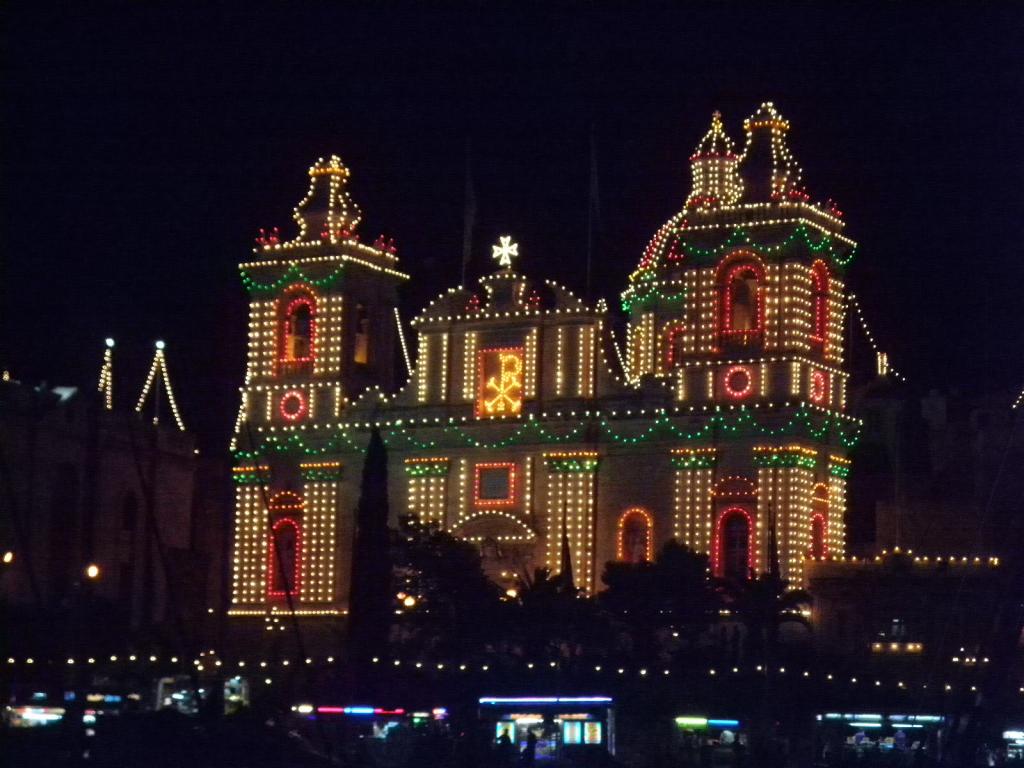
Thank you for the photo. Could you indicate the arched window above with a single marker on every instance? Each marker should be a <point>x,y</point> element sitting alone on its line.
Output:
<point>741,300</point>
<point>285,554</point>
<point>819,522</point>
<point>819,293</point>
<point>734,544</point>
<point>635,543</point>
<point>675,341</point>
<point>298,334</point>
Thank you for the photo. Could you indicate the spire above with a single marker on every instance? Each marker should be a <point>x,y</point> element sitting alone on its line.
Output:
<point>327,213</point>
<point>769,170</point>
<point>713,165</point>
<point>106,382</point>
<point>158,375</point>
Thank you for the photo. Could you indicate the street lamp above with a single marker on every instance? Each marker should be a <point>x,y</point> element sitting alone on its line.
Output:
<point>92,571</point>
<point>8,557</point>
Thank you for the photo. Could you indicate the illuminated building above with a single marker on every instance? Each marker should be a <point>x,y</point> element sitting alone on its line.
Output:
<point>525,423</point>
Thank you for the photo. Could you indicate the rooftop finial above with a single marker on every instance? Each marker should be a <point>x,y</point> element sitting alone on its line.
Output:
<point>713,165</point>
<point>327,213</point>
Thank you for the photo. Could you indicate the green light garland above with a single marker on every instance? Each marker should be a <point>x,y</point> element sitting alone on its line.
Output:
<point>570,465</point>
<point>718,425</point>
<point>246,478</point>
<point>644,286</point>
<point>784,459</point>
<point>293,274</point>
<point>427,468</point>
<point>693,461</point>
<point>321,475</point>
<point>839,470</point>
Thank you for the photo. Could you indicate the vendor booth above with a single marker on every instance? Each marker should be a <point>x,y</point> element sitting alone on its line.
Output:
<point>562,726</point>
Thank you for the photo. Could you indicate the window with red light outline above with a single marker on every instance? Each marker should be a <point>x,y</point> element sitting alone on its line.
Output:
<point>306,298</point>
<point>293,405</point>
<point>738,382</point>
<point>819,284</point>
<point>509,500</point>
<point>746,264</point>
<point>819,387</point>
<point>273,564</point>
<point>819,516</point>
<point>647,521</point>
<point>716,557</point>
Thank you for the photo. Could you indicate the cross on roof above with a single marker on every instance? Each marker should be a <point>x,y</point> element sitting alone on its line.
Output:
<point>505,251</point>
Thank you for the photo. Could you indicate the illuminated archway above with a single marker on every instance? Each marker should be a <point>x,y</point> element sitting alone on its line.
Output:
<point>298,330</point>
<point>741,300</point>
<point>285,556</point>
<point>735,544</point>
<point>634,542</point>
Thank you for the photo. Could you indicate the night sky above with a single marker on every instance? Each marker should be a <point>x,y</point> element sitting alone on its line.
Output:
<point>144,147</point>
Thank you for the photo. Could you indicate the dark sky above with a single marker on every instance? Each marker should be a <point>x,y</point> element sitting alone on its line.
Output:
<point>144,145</point>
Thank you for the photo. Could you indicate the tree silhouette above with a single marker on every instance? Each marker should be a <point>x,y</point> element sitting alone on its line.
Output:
<point>456,609</point>
<point>762,605</point>
<point>673,595</point>
<point>370,597</point>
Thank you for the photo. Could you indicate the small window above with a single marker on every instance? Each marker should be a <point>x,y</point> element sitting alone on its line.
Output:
<point>743,303</point>
<point>361,350</point>
<point>495,485</point>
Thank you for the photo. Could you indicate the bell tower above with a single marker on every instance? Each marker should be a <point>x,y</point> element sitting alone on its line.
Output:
<point>739,306</point>
<point>322,332</point>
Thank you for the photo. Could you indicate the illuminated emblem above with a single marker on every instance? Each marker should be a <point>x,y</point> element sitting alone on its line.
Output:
<point>501,382</point>
<point>819,387</point>
<point>505,251</point>
<point>739,382</point>
<point>293,405</point>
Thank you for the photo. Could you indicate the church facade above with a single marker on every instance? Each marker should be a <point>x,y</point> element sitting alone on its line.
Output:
<point>525,423</point>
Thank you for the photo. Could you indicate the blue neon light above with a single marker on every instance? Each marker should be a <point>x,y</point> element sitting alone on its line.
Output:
<point>541,700</point>
<point>724,723</point>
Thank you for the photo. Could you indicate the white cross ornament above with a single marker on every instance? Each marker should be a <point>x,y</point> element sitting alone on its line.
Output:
<point>504,252</point>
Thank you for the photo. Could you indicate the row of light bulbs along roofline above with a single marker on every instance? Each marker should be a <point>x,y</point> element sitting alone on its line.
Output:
<point>208,662</point>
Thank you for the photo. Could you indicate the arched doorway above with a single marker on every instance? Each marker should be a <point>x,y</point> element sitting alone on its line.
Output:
<point>635,541</point>
<point>734,545</point>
